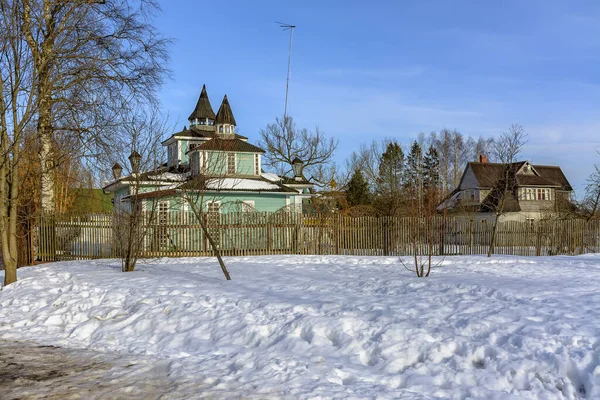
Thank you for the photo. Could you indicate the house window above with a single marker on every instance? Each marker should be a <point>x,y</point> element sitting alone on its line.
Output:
<point>227,129</point>
<point>530,221</point>
<point>163,208</point>
<point>248,206</point>
<point>231,163</point>
<point>214,207</point>
<point>256,165</point>
<point>221,129</point>
<point>163,220</point>
<point>543,194</point>
<point>204,162</point>
<point>195,164</point>
<point>173,154</point>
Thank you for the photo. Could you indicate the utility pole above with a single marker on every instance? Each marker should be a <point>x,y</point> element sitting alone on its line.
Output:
<point>285,27</point>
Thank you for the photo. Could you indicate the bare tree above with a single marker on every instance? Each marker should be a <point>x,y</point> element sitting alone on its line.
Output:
<point>506,149</point>
<point>211,175</point>
<point>140,137</point>
<point>18,105</point>
<point>590,205</point>
<point>284,143</point>
<point>84,53</point>
<point>424,227</point>
<point>66,68</point>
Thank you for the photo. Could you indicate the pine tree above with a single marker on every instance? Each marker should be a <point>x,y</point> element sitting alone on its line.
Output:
<point>358,192</point>
<point>431,169</point>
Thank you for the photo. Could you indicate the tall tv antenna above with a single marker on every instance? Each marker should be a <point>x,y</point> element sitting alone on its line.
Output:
<point>286,27</point>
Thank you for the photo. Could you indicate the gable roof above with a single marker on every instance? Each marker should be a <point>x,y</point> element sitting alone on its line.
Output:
<point>225,115</point>
<point>488,175</point>
<point>203,108</point>
<point>555,175</point>
<point>219,144</point>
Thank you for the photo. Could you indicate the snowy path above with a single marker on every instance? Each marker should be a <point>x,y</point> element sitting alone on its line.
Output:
<point>29,371</point>
<point>324,327</point>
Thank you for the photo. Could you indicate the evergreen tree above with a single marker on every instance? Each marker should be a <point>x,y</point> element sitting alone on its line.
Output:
<point>358,192</point>
<point>414,168</point>
<point>390,179</point>
<point>391,169</point>
<point>431,169</point>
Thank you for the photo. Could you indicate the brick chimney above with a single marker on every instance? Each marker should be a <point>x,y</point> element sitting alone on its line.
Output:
<point>482,158</point>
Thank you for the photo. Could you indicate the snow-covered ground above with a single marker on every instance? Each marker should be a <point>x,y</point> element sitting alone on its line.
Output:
<point>329,327</point>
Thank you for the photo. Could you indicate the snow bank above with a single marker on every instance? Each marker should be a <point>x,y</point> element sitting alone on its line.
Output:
<point>240,184</point>
<point>323,327</point>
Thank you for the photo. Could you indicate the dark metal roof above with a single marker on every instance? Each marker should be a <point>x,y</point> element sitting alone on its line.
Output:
<point>489,174</point>
<point>225,115</point>
<point>534,180</point>
<point>218,144</point>
<point>203,108</point>
<point>291,181</point>
<point>200,131</point>
<point>555,175</point>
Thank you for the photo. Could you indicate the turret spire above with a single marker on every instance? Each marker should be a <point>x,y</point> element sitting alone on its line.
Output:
<point>225,115</point>
<point>203,110</point>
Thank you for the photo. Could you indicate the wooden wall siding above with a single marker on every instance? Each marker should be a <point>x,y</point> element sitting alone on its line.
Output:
<point>178,234</point>
<point>245,163</point>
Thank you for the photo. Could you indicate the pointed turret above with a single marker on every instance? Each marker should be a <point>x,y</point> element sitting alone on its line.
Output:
<point>203,114</point>
<point>225,115</point>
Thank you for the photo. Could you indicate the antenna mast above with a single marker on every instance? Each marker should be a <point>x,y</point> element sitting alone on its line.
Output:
<point>286,27</point>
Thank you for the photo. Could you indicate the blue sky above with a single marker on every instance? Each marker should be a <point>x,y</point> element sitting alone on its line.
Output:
<point>364,70</point>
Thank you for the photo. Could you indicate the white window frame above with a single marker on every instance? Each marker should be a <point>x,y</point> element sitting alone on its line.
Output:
<point>231,166</point>
<point>530,221</point>
<point>248,206</point>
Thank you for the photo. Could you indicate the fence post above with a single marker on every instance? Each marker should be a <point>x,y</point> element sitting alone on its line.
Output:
<point>386,236</point>
<point>538,244</point>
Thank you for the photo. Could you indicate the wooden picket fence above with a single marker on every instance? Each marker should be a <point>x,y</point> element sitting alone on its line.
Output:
<point>179,234</point>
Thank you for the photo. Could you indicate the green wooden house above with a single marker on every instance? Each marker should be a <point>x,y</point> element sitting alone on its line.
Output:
<point>211,165</point>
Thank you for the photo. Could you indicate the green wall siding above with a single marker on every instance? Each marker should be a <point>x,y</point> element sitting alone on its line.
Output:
<point>230,202</point>
<point>245,163</point>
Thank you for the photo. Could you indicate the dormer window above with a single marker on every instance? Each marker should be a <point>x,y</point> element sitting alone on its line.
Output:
<point>173,154</point>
